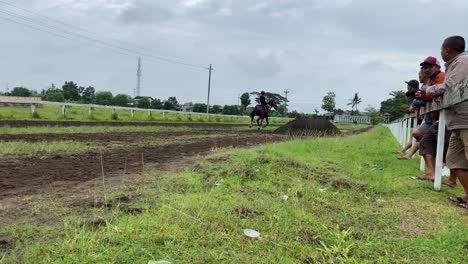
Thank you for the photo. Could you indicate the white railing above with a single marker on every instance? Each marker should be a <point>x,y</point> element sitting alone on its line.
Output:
<point>401,128</point>
<point>352,119</point>
<point>91,107</point>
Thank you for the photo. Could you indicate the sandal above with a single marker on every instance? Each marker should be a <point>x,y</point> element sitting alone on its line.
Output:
<point>450,185</point>
<point>458,200</point>
<point>419,178</point>
<point>463,205</point>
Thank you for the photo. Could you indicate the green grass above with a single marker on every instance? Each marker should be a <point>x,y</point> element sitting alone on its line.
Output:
<point>340,210</point>
<point>348,126</point>
<point>54,112</point>
<point>32,148</point>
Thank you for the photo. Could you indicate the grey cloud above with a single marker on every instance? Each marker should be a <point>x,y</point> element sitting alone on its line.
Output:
<point>376,65</point>
<point>260,65</point>
<point>145,12</point>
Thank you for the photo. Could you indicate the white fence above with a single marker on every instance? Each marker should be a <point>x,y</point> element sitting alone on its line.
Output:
<point>91,107</point>
<point>402,130</point>
<point>352,119</point>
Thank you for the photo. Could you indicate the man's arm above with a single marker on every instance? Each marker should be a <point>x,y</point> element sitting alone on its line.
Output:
<point>459,72</point>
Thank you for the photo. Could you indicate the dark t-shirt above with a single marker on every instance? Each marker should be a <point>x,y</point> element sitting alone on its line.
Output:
<point>262,100</point>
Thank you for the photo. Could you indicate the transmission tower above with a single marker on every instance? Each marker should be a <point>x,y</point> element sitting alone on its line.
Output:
<point>138,86</point>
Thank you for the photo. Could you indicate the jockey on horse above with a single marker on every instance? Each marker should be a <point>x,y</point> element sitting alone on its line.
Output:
<point>263,102</point>
<point>262,111</point>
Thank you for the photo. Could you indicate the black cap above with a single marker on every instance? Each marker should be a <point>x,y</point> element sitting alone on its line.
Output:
<point>413,83</point>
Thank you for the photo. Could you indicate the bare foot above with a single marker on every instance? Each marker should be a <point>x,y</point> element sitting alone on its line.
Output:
<point>404,158</point>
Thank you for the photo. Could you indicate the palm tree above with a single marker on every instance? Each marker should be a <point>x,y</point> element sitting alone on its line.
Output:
<point>355,101</point>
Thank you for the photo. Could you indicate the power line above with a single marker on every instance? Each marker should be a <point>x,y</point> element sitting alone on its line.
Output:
<point>82,36</point>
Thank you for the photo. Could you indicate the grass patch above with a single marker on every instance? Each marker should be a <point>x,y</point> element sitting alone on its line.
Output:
<point>339,210</point>
<point>32,148</point>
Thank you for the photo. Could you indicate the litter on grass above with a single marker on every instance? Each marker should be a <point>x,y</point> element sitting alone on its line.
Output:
<point>284,197</point>
<point>445,171</point>
<point>220,182</point>
<point>159,262</point>
<point>251,233</point>
<point>323,189</point>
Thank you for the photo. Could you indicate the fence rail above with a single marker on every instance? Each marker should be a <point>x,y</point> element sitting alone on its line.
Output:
<point>34,103</point>
<point>401,128</point>
<point>352,119</point>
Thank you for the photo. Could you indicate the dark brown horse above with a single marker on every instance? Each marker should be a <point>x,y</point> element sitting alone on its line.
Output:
<point>262,112</point>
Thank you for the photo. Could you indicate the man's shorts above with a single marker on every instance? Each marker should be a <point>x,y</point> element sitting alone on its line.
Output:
<point>457,156</point>
<point>428,144</point>
<point>423,129</point>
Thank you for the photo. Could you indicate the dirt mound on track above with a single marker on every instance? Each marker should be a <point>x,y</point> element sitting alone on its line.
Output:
<point>308,127</point>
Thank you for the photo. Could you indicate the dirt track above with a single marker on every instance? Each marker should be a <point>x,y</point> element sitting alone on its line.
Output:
<point>38,174</point>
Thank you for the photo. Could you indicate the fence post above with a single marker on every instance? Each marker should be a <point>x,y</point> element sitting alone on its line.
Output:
<point>400,134</point>
<point>113,111</point>
<point>422,164</point>
<point>164,115</point>
<point>90,111</point>
<point>440,151</point>
<point>64,110</point>
<point>149,112</point>
<point>33,108</point>
<point>415,126</point>
<point>132,113</point>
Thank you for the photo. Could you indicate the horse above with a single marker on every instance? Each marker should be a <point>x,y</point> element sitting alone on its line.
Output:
<point>262,113</point>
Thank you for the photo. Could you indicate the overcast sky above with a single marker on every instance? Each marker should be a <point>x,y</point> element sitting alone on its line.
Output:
<point>309,47</point>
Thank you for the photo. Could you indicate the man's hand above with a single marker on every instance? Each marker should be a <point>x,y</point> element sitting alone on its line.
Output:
<point>418,94</point>
<point>424,88</point>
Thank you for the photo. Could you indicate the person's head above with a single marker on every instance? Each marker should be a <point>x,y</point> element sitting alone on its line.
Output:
<point>409,98</point>
<point>262,93</point>
<point>451,47</point>
<point>412,85</point>
<point>422,76</point>
<point>430,67</point>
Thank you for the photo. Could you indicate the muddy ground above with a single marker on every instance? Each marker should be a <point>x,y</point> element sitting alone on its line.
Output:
<point>25,175</point>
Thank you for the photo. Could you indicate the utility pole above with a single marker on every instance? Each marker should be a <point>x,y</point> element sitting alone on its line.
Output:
<point>138,86</point>
<point>238,99</point>
<point>209,87</point>
<point>286,92</point>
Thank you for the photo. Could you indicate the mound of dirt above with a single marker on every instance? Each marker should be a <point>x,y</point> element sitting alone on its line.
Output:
<point>308,127</point>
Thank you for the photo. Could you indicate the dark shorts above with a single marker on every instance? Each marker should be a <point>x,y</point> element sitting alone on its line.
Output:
<point>428,144</point>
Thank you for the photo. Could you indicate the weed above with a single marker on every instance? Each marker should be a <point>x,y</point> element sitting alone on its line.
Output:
<point>35,115</point>
<point>339,248</point>
<point>114,116</point>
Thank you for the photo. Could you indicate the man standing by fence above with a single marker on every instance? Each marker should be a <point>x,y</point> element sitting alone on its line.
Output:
<point>453,53</point>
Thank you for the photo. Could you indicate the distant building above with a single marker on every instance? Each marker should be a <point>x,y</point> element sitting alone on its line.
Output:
<point>138,98</point>
<point>187,107</point>
<point>6,100</point>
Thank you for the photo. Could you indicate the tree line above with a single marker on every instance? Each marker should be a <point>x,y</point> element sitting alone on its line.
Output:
<point>72,92</point>
<point>395,106</point>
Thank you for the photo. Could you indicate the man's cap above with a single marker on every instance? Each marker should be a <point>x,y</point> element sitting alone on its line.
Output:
<point>413,83</point>
<point>430,60</point>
